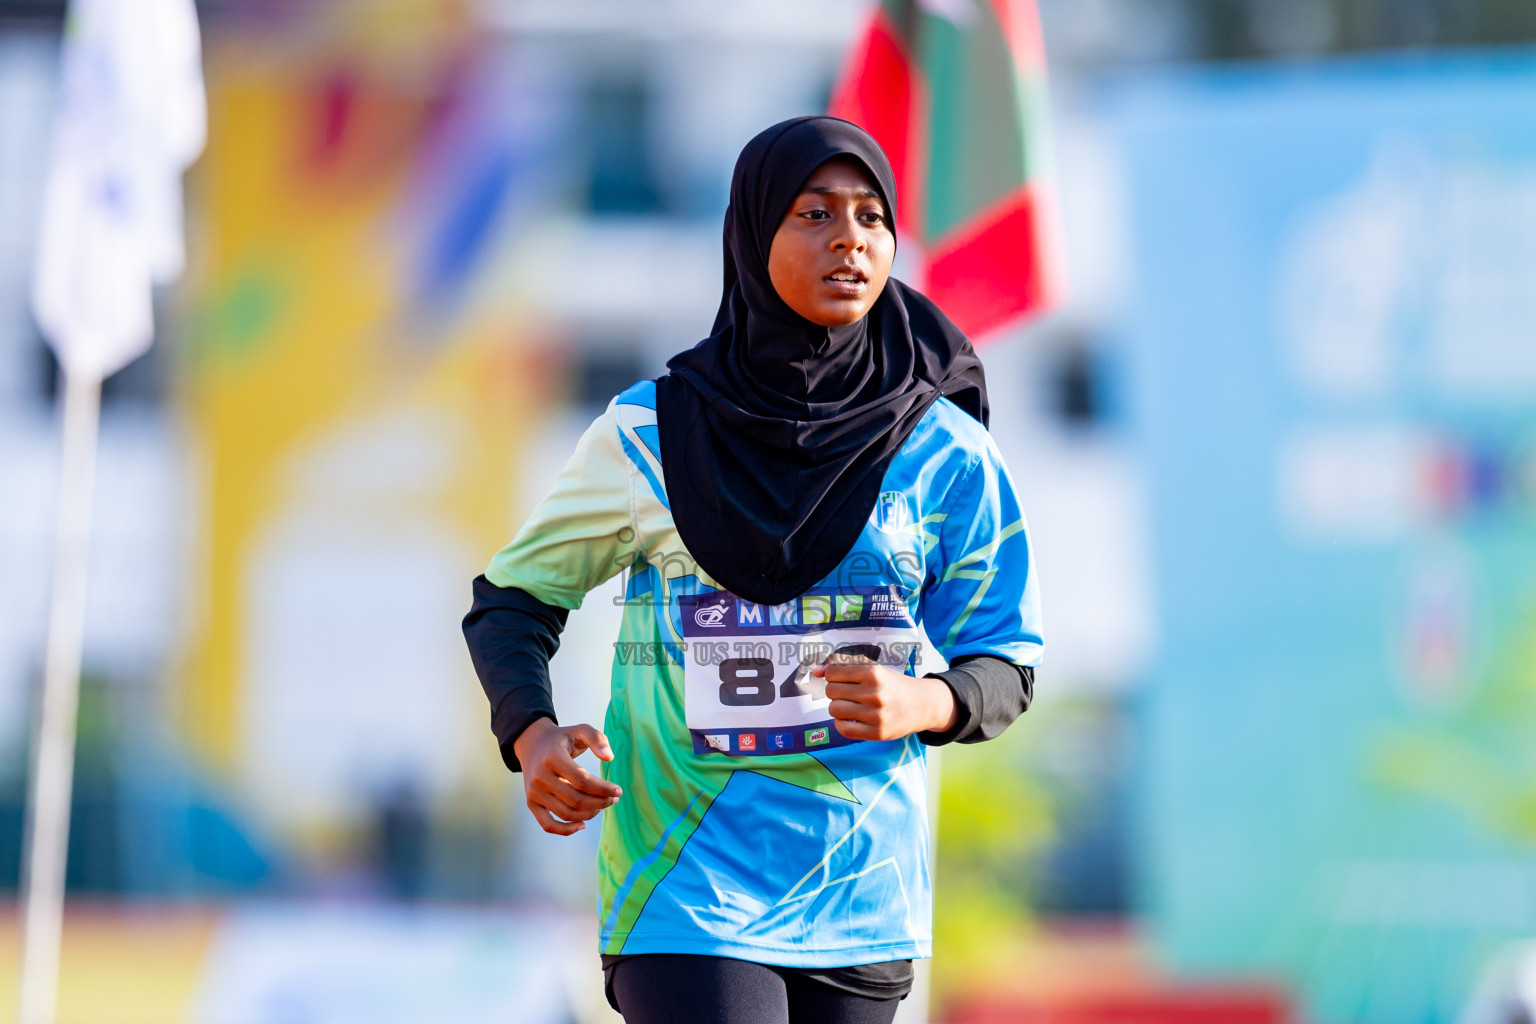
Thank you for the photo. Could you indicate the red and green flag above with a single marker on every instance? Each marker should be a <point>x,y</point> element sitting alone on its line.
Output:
<point>954,92</point>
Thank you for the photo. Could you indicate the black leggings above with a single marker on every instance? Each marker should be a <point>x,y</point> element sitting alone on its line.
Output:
<point>677,988</point>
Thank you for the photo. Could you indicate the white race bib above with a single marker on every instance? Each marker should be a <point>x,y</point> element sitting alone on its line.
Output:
<point>748,688</point>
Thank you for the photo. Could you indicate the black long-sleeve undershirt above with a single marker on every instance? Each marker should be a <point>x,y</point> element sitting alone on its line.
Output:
<point>512,635</point>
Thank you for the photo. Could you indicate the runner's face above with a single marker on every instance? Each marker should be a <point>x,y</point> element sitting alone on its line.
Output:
<point>832,253</point>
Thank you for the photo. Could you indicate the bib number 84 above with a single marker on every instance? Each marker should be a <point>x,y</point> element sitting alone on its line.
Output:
<point>748,682</point>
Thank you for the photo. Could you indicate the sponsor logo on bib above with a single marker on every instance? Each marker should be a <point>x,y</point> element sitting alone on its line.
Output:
<point>711,615</point>
<point>746,741</point>
<point>718,741</point>
<point>817,737</point>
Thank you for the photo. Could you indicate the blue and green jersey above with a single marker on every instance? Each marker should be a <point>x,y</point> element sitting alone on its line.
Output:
<point>749,827</point>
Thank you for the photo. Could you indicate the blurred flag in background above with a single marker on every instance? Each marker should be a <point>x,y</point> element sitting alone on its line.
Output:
<point>954,91</point>
<point>132,118</point>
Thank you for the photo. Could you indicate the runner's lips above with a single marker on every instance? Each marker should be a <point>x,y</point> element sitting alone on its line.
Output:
<point>849,281</point>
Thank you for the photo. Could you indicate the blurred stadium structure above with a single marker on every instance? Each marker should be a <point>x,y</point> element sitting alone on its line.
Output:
<point>1276,453</point>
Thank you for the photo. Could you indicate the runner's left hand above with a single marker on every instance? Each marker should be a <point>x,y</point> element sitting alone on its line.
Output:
<point>872,702</point>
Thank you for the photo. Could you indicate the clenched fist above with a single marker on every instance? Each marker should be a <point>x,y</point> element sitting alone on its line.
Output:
<point>872,702</point>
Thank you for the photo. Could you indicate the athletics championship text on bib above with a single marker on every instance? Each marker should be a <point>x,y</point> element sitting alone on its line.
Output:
<point>747,666</point>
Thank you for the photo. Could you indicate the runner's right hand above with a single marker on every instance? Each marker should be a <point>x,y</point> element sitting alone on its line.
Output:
<point>562,794</point>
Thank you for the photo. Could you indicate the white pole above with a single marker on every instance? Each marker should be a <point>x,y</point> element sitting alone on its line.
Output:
<point>53,745</point>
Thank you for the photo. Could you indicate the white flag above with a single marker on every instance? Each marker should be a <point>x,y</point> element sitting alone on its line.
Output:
<point>132,117</point>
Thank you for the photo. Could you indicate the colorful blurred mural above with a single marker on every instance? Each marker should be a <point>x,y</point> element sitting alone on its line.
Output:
<point>359,375</point>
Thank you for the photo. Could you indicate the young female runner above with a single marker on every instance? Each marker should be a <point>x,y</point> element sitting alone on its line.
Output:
<point>804,488</point>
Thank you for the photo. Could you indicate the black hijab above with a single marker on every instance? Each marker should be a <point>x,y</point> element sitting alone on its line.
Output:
<point>776,432</point>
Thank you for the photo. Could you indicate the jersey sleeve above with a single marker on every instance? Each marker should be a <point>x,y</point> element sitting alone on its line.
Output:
<point>583,533</point>
<point>982,595</point>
